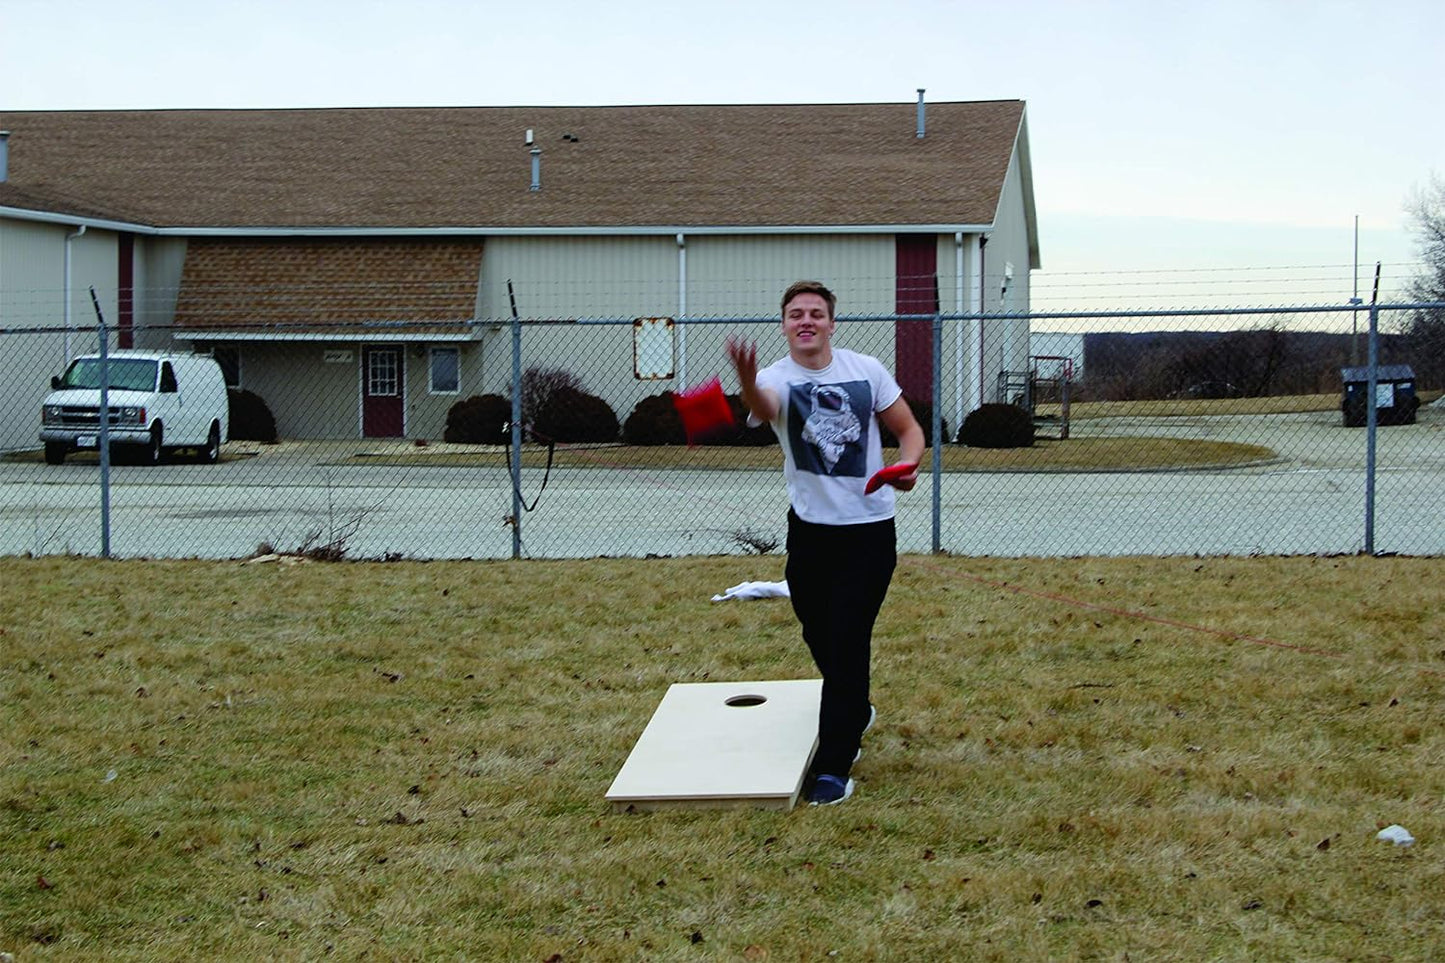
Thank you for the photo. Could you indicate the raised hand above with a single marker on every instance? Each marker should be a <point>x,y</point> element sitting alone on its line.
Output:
<point>744,356</point>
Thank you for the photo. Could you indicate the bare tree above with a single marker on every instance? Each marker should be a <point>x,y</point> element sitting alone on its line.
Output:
<point>1425,329</point>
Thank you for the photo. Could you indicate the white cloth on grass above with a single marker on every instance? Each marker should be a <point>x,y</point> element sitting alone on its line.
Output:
<point>755,590</point>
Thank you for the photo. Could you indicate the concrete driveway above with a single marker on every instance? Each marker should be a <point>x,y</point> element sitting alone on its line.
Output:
<point>1310,500</point>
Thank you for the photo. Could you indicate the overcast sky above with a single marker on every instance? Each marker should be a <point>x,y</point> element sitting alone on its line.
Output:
<point>1199,152</point>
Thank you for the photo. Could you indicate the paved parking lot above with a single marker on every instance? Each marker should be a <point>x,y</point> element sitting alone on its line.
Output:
<point>1311,500</point>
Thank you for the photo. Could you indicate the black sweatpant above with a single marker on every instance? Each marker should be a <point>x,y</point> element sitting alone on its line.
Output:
<point>837,577</point>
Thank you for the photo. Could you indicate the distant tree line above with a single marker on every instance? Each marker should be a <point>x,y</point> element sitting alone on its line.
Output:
<point>1252,363</point>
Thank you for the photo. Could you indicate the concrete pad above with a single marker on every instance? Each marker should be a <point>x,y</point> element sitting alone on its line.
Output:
<point>720,745</point>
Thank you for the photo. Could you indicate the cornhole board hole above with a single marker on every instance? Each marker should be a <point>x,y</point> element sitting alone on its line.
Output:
<point>723,745</point>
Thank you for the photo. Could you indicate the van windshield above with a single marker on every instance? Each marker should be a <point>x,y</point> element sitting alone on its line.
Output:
<point>126,374</point>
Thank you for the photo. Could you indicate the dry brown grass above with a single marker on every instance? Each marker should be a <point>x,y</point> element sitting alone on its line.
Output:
<point>1135,453</point>
<point>1194,407</point>
<point>1174,758</point>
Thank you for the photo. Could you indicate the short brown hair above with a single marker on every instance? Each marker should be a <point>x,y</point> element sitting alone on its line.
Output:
<point>810,287</point>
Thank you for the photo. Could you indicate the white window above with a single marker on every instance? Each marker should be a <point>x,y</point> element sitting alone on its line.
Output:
<point>446,371</point>
<point>383,380</point>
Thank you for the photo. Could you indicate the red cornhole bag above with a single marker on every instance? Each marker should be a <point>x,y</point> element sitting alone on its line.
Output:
<point>885,476</point>
<point>704,410</point>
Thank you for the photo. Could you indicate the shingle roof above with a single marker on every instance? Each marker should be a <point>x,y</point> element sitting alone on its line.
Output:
<point>329,284</point>
<point>399,168</point>
<point>47,202</point>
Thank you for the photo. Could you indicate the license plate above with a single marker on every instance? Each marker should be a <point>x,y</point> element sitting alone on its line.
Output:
<point>86,441</point>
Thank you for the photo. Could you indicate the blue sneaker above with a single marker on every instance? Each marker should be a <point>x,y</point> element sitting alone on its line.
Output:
<point>829,790</point>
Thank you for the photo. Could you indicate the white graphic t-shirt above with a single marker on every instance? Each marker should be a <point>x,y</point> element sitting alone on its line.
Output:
<point>828,427</point>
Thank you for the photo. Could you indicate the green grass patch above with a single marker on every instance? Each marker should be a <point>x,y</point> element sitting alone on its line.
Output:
<point>1074,759</point>
<point>1047,454</point>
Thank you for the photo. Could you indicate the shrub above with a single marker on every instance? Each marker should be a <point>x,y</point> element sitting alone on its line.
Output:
<point>654,421</point>
<point>741,434</point>
<point>251,419</point>
<point>997,426</point>
<point>539,385</point>
<point>480,420</point>
<point>923,411</point>
<point>572,415</point>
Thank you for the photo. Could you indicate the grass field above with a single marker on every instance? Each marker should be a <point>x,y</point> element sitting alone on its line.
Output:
<point>1145,759</point>
<point>1047,454</point>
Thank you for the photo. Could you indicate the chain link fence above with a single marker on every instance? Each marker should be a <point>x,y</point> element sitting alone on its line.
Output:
<point>1199,431</point>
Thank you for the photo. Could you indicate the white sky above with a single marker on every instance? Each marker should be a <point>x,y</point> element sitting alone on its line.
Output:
<point>1214,152</point>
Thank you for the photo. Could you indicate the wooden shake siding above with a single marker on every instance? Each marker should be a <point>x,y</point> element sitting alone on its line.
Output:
<point>328,286</point>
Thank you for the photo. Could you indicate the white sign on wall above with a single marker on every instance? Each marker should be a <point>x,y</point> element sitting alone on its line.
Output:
<point>653,349</point>
<point>336,356</point>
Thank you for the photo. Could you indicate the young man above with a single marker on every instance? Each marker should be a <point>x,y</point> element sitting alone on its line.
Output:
<point>824,404</point>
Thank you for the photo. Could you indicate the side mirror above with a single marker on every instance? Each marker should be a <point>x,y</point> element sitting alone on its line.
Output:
<point>55,382</point>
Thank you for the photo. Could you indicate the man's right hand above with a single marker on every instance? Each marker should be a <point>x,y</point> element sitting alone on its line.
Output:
<point>762,403</point>
<point>744,355</point>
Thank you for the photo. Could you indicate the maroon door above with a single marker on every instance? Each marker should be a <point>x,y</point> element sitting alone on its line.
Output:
<point>381,392</point>
<point>917,293</point>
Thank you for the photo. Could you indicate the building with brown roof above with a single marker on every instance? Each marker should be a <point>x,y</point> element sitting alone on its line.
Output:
<point>357,267</point>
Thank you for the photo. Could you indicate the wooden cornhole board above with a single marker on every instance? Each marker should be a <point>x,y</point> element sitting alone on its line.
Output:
<point>723,745</point>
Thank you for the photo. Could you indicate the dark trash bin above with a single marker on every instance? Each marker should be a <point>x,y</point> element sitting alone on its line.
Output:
<point>1395,400</point>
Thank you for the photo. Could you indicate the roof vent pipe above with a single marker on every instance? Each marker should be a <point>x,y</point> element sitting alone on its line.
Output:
<point>920,112</point>
<point>536,169</point>
<point>4,156</point>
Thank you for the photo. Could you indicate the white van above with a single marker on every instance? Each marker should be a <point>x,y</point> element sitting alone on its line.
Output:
<point>158,403</point>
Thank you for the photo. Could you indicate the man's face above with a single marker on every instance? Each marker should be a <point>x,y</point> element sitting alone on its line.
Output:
<point>808,326</point>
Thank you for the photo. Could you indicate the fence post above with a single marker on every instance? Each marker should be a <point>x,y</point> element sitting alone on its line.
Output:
<point>103,424</point>
<point>935,430</point>
<point>516,428</point>
<point>1371,423</point>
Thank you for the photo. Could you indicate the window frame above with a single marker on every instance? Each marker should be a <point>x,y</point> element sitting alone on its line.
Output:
<point>433,351</point>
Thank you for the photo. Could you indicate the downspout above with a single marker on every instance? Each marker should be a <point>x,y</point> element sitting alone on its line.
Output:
<point>681,310</point>
<point>982,306</point>
<point>65,287</point>
<point>973,353</point>
<point>958,366</point>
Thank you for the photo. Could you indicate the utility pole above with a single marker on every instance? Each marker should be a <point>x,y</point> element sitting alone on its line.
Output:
<point>1355,300</point>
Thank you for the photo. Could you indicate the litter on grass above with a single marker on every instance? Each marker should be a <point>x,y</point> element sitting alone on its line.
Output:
<point>755,590</point>
<point>1396,834</point>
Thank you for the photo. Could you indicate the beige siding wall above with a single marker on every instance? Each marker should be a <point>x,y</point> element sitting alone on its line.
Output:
<point>311,398</point>
<point>746,276</point>
<point>571,278</point>
<point>1011,235</point>
<point>158,262</point>
<point>1006,345</point>
<point>308,397</point>
<point>625,278</point>
<point>32,265</point>
<point>426,415</point>
<point>958,366</point>
<point>93,261</point>
<point>32,283</point>
<point>731,275</point>
<point>26,363</point>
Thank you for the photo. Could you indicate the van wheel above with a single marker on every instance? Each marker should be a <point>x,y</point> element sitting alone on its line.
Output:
<point>152,453</point>
<point>54,452</point>
<point>211,454</point>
